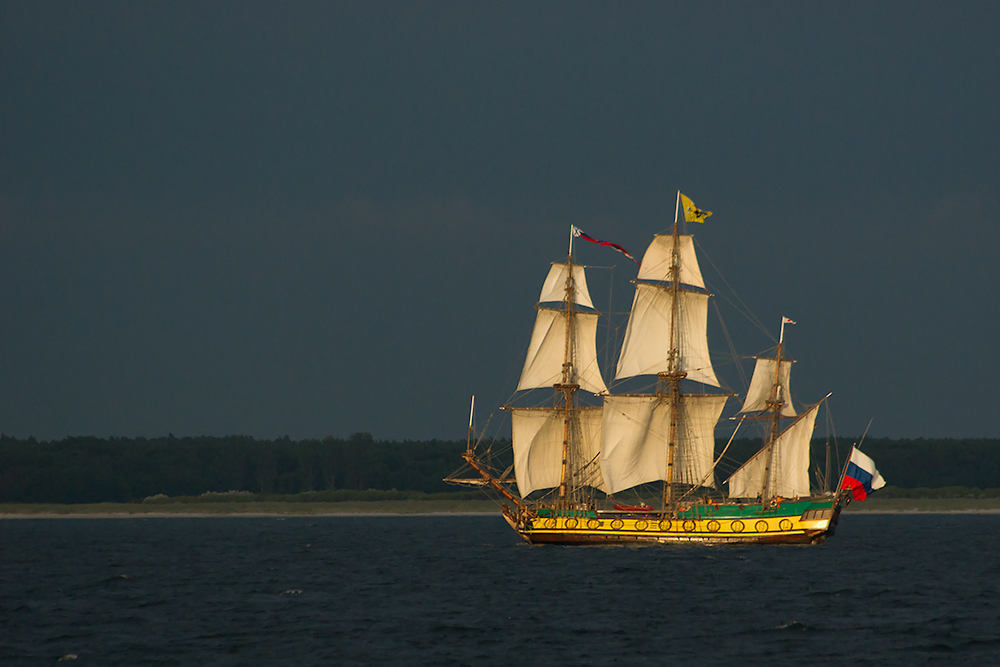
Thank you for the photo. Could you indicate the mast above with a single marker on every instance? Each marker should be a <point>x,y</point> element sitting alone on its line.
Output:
<point>470,458</point>
<point>564,386</point>
<point>567,388</point>
<point>669,383</point>
<point>826,475</point>
<point>553,444</point>
<point>664,435</point>
<point>774,404</point>
<point>472,412</point>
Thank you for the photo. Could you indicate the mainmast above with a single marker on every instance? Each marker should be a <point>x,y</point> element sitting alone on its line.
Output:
<point>666,435</point>
<point>669,382</point>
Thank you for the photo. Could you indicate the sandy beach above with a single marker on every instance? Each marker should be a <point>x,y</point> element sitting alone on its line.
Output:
<point>250,509</point>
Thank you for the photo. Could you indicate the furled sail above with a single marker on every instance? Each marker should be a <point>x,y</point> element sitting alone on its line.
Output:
<point>762,384</point>
<point>554,287</point>
<point>635,439</point>
<point>538,446</point>
<point>647,338</point>
<point>543,366</point>
<point>658,259</point>
<point>789,464</point>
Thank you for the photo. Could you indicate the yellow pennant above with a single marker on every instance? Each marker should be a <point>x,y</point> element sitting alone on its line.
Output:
<point>691,212</point>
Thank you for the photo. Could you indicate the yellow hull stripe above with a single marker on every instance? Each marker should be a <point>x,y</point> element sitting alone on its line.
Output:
<point>703,528</point>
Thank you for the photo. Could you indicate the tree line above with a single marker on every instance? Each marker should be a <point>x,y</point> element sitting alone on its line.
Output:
<point>89,469</point>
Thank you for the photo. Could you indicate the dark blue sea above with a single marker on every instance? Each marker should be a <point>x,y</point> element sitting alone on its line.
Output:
<point>464,590</point>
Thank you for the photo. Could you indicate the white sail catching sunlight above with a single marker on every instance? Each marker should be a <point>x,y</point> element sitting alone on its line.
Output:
<point>538,444</point>
<point>789,464</point>
<point>647,338</point>
<point>636,435</point>
<point>762,385</point>
<point>554,287</point>
<point>658,259</point>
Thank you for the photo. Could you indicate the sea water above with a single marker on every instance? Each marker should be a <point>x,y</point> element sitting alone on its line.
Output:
<point>464,590</point>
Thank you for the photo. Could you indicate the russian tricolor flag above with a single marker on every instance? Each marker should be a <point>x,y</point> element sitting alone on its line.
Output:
<point>861,476</point>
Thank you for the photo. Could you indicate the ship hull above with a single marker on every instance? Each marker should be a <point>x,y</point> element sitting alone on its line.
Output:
<point>795,525</point>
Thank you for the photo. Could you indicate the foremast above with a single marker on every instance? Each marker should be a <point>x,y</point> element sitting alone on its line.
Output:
<point>567,389</point>
<point>557,447</point>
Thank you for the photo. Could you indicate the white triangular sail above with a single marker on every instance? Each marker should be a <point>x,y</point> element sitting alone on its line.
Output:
<point>647,338</point>
<point>789,464</point>
<point>635,439</point>
<point>762,385</point>
<point>658,259</point>
<point>543,366</point>
<point>538,446</point>
<point>554,287</point>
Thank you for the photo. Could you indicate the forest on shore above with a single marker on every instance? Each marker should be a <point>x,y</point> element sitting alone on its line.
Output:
<point>94,470</point>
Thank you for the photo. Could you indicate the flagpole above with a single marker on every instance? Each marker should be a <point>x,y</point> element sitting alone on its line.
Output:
<point>472,412</point>
<point>677,208</point>
<point>571,235</point>
<point>843,473</point>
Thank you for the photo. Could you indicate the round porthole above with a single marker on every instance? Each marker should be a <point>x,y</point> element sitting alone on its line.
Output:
<point>761,526</point>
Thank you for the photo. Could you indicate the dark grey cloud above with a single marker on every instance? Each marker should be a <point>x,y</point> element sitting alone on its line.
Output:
<point>330,217</point>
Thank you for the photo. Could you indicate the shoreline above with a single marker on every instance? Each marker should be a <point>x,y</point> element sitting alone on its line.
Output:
<point>241,515</point>
<point>925,506</point>
<point>410,508</point>
<point>248,509</point>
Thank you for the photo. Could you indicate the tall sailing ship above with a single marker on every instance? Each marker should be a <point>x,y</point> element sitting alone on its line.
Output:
<point>574,461</point>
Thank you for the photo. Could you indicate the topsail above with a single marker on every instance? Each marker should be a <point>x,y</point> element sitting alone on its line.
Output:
<point>543,366</point>
<point>768,386</point>
<point>666,317</point>
<point>646,352</point>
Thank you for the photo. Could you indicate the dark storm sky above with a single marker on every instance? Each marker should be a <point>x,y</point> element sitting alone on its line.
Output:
<point>319,218</point>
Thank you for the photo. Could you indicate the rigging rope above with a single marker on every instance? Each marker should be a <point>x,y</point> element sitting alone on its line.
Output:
<point>742,307</point>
